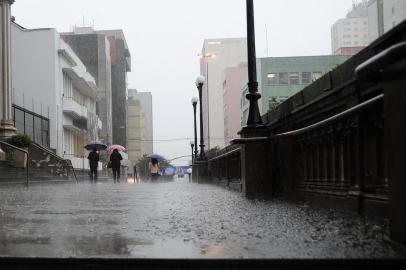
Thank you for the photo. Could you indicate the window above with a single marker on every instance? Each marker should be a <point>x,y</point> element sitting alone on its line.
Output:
<point>294,78</point>
<point>283,78</point>
<point>272,78</point>
<point>316,75</point>
<point>306,77</point>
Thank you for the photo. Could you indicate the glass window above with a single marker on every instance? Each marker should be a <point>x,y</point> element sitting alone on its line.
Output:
<point>19,120</point>
<point>306,77</point>
<point>316,75</point>
<point>272,78</point>
<point>294,78</point>
<point>283,78</point>
<point>38,130</point>
<point>29,125</point>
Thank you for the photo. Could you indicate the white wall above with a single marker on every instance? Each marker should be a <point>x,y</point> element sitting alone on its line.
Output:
<point>34,74</point>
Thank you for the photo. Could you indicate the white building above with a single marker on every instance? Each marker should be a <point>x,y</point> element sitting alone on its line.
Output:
<point>50,81</point>
<point>351,34</point>
<point>384,15</point>
<point>217,54</point>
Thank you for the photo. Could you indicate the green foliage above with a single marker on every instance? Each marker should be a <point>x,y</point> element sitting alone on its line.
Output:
<point>212,152</point>
<point>20,140</point>
<point>274,103</point>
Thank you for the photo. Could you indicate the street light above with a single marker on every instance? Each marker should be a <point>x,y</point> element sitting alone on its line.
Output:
<point>207,56</point>
<point>194,103</point>
<point>192,144</point>
<point>254,117</point>
<point>199,83</point>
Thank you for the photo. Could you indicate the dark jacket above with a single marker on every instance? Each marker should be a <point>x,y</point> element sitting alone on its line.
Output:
<point>115,158</point>
<point>93,158</point>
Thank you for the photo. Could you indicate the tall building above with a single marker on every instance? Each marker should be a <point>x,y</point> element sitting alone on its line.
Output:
<point>94,51</point>
<point>384,15</point>
<point>145,99</point>
<point>54,97</point>
<point>217,54</point>
<point>136,130</point>
<point>106,53</point>
<point>234,79</point>
<point>281,77</point>
<point>351,34</point>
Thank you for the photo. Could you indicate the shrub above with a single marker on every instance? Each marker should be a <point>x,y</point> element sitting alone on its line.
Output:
<point>21,140</point>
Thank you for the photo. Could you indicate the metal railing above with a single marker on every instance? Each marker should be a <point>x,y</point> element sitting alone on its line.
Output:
<point>51,162</point>
<point>10,154</point>
<point>225,165</point>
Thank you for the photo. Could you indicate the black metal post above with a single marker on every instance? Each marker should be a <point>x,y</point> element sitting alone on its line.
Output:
<point>254,117</point>
<point>202,154</point>
<point>195,144</point>
<point>191,146</point>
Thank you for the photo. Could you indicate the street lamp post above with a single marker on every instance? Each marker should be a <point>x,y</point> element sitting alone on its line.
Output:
<point>254,117</point>
<point>207,56</point>
<point>192,144</point>
<point>199,84</point>
<point>194,103</point>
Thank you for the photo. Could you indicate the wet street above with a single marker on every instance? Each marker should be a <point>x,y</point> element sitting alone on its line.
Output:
<point>178,220</point>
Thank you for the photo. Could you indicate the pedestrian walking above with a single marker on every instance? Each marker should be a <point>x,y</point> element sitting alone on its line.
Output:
<point>115,160</point>
<point>153,169</point>
<point>189,172</point>
<point>93,158</point>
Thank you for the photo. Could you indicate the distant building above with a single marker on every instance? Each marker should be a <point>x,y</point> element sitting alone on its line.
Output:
<point>94,51</point>
<point>54,97</point>
<point>145,99</point>
<point>136,131</point>
<point>282,77</point>
<point>83,41</point>
<point>351,34</point>
<point>217,54</point>
<point>234,79</point>
<point>384,15</point>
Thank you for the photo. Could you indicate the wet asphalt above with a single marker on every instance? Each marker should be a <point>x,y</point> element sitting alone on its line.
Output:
<point>178,220</point>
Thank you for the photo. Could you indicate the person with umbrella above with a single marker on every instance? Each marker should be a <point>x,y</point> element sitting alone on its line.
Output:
<point>115,159</point>
<point>153,169</point>
<point>93,158</point>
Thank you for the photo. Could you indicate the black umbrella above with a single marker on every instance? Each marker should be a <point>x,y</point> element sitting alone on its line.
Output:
<point>95,145</point>
<point>156,156</point>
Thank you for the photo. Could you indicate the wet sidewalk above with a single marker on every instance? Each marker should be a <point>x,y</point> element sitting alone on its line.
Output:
<point>178,220</point>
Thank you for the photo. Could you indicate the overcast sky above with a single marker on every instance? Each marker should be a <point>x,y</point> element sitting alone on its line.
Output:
<point>165,37</point>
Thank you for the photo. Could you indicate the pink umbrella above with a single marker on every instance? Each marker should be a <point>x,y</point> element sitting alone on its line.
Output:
<point>110,148</point>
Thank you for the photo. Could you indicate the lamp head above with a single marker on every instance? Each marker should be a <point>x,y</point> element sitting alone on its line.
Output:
<point>192,143</point>
<point>194,100</point>
<point>200,80</point>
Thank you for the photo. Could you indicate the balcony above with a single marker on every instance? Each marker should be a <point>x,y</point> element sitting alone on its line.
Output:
<point>73,109</point>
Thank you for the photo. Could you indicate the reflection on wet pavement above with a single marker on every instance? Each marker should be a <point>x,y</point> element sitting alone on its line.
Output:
<point>178,220</point>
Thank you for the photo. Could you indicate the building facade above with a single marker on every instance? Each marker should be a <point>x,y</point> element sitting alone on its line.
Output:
<point>94,51</point>
<point>136,131</point>
<point>234,79</point>
<point>282,77</point>
<point>217,54</point>
<point>384,15</point>
<point>52,87</point>
<point>351,34</point>
<point>107,56</point>
<point>145,99</point>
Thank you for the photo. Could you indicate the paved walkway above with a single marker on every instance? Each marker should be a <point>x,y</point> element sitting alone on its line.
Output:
<point>178,220</point>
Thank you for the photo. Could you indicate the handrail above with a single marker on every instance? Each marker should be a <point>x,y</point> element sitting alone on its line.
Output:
<point>351,110</point>
<point>225,154</point>
<point>358,107</point>
<point>25,152</point>
<point>69,164</point>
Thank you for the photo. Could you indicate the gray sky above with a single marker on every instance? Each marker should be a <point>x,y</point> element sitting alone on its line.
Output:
<point>165,37</point>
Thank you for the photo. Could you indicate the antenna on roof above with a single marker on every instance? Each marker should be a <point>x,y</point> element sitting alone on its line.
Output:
<point>267,43</point>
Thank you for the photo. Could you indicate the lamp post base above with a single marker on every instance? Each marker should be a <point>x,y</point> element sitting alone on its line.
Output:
<point>199,172</point>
